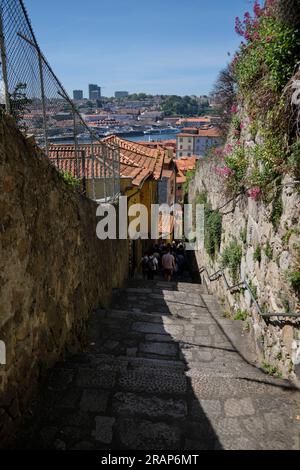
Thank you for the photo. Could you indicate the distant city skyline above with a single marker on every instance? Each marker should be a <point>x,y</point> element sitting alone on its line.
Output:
<point>125,45</point>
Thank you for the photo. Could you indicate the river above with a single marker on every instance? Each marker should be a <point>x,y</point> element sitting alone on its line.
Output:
<point>140,138</point>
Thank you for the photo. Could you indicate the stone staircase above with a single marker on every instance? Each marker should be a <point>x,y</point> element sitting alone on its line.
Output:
<point>161,373</point>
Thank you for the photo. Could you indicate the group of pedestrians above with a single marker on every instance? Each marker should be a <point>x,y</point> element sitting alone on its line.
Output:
<point>168,260</point>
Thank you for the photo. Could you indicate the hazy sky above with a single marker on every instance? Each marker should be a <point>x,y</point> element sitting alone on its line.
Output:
<point>154,46</point>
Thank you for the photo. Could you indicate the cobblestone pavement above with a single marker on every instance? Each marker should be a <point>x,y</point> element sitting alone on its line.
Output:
<point>161,374</point>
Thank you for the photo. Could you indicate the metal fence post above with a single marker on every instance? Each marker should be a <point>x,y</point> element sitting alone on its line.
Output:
<point>114,171</point>
<point>75,146</point>
<point>83,160</point>
<point>104,149</point>
<point>4,65</point>
<point>93,169</point>
<point>43,98</point>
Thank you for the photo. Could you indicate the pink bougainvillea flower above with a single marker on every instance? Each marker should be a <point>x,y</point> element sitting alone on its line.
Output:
<point>225,172</point>
<point>234,109</point>
<point>228,149</point>
<point>254,193</point>
<point>258,11</point>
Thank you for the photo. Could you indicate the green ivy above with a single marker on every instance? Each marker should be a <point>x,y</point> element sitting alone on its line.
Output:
<point>212,231</point>
<point>231,259</point>
<point>212,226</point>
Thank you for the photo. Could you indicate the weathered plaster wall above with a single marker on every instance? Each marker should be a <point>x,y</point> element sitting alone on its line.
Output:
<point>277,343</point>
<point>53,270</point>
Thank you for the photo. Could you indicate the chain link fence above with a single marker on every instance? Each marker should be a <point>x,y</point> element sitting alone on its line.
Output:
<point>33,95</point>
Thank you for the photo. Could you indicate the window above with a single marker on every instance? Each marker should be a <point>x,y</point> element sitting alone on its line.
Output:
<point>181,139</point>
<point>181,147</point>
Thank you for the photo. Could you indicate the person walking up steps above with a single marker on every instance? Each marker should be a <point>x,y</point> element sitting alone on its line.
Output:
<point>152,267</point>
<point>168,264</point>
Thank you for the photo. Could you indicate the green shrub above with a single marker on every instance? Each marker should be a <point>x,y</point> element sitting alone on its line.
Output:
<point>294,159</point>
<point>266,159</point>
<point>236,161</point>
<point>243,236</point>
<point>236,123</point>
<point>277,209</point>
<point>271,370</point>
<point>257,254</point>
<point>293,277</point>
<point>189,178</point>
<point>69,179</point>
<point>273,55</point>
<point>241,315</point>
<point>231,259</point>
<point>269,251</point>
<point>286,237</point>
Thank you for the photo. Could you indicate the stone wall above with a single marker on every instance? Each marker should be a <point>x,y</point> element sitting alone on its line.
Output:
<point>53,270</point>
<point>248,222</point>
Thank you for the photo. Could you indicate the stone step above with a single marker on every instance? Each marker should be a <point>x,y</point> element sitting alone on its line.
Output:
<point>154,381</point>
<point>134,286</point>
<point>131,404</point>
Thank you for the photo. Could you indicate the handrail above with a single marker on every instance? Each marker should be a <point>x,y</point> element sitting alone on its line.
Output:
<point>244,285</point>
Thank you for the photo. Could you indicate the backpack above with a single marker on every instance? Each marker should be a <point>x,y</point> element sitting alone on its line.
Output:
<point>152,264</point>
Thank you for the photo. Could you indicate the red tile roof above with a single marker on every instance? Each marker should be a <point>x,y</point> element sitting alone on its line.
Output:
<point>211,132</point>
<point>66,160</point>
<point>140,156</point>
<point>186,163</point>
<point>137,162</point>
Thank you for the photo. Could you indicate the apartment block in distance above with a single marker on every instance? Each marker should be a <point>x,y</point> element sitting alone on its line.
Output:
<point>121,94</point>
<point>196,142</point>
<point>78,95</point>
<point>94,92</point>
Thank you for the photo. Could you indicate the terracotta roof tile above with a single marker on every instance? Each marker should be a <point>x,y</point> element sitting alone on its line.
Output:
<point>137,162</point>
<point>185,164</point>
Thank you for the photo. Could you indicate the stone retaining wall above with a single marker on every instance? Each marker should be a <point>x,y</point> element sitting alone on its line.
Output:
<point>277,343</point>
<point>53,270</point>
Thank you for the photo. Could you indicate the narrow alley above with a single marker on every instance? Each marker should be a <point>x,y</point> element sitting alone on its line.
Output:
<point>161,374</point>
